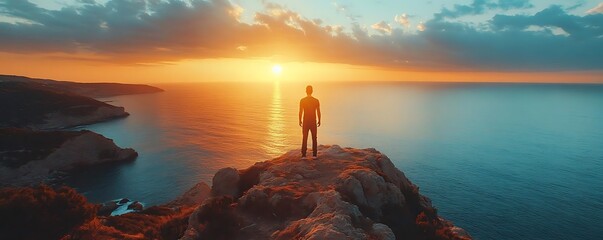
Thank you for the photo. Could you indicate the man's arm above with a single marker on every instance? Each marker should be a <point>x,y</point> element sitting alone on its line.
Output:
<point>301,111</point>
<point>318,113</point>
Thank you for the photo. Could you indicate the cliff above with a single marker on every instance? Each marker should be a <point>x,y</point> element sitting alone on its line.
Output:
<point>41,108</point>
<point>94,90</point>
<point>31,157</point>
<point>346,194</point>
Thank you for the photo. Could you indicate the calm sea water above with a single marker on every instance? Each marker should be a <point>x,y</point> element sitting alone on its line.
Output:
<point>503,161</point>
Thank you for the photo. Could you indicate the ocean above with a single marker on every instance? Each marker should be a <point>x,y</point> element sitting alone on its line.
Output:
<point>503,161</point>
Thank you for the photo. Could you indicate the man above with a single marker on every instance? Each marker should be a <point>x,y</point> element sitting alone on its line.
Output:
<point>309,107</point>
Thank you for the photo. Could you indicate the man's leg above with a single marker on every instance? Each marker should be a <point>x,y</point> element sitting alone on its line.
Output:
<point>305,130</point>
<point>314,142</point>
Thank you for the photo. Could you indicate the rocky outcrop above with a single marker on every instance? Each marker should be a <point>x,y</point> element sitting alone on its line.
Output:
<point>39,107</point>
<point>76,149</point>
<point>105,209</point>
<point>346,194</point>
<point>191,198</point>
<point>226,182</point>
<point>119,207</point>
<point>168,221</point>
<point>136,206</point>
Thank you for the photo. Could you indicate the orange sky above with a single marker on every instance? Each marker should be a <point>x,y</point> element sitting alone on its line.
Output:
<point>61,67</point>
<point>220,40</point>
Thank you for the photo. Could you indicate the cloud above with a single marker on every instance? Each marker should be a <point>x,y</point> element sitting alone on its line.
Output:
<point>402,19</point>
<point>480,6</point>
<point>596,10</point>
<point>382,27</point>
<point>584,28</point>
<point>421,27</point>
<point>124,28</point>
<point>512,4</point>
<point>154,31</point>
<point>510,45</point>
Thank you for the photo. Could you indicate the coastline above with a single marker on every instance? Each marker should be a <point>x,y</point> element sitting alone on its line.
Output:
<point>37,143</point>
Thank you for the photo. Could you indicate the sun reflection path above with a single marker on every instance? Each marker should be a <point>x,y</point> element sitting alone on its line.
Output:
<point>276,137</point>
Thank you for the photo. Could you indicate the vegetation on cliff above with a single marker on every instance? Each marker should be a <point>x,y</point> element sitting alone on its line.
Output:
<point>42,212</point>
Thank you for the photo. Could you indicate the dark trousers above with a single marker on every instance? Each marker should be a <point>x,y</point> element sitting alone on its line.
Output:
<point>312,128</point>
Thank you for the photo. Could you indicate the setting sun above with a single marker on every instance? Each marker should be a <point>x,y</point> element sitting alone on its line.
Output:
<point>277,69</point>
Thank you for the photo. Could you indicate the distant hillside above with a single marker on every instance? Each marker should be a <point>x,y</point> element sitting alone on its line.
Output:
<point>36,106</point>
<point>87,89</point>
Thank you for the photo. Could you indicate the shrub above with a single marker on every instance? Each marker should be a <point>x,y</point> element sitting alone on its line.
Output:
<point>42,212</point>
<point>218,219</point>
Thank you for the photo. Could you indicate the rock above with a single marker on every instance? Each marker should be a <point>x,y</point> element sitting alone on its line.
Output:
<point>382,232</point>
<point>226,182</point>
<point>332,218</point>
<point>461,233</point>
<point>80,149</point>
<point>193,197</point>
<point>134,221</point>
<point>367,189</point>
<point>105,209</point>
<point>123,200</point>
<point>136,206</point>
<point>346,194</point>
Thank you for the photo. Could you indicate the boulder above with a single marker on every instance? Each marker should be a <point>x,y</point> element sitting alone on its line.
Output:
<point>369,190</point>
<point>105,209</point>
<point>136,206</point>
<point>226,182</point>
<point>193,197</point>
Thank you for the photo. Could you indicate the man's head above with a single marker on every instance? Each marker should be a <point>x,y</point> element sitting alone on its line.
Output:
<point>309,90</point>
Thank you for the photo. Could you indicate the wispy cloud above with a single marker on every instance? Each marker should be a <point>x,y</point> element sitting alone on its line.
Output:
<point>345,10</point>
<point>596,10</point>
<point>382,27</point>
<point>480,6</point>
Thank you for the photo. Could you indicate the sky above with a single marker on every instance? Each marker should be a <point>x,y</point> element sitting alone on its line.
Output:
<point>241,40</point>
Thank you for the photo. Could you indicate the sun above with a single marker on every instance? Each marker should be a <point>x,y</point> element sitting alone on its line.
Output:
<point>277,69</point>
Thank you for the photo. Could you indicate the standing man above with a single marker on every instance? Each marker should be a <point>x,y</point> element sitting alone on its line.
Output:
<point>309,107</point>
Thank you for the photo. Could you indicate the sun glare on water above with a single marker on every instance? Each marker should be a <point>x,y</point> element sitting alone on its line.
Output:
<point>277,69</point>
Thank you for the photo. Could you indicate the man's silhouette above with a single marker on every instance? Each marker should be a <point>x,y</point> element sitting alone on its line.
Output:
<point>309,107</point>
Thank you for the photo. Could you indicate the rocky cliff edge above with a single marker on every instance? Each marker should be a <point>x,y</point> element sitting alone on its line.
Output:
<point>345,194</point>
